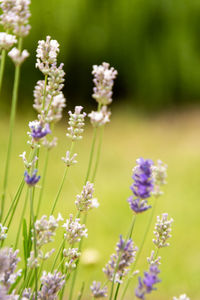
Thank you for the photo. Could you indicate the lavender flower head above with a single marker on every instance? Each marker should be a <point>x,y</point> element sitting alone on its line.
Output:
<point>119,263</point>
<point>51,285</point>
<point>146,285</point>
<point>38,130</point>
<point>100,118</point>
<point>142,186</point>
<point>103,80</point>
<point>84,200</point>
<point>76,123</point>
<point>97,291</point>
<point>31,180</point>
<point>162,231</point>
<point>74,230</point>
<point>182,297</point>
<point>7,40</point>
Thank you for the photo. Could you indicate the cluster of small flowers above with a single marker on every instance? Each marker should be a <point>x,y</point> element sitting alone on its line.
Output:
<point>119,263</point>
<point>3,234</point>
<point>48,97</point>
<point>76,123</point>
<point>8,265</point>
<point>97,291</point>
<point>159,174</point>
<point>51,285</point>
<point>146,285</point>
<point>103,79</point>
<point>71,255</point>
<point>147,181</point>
<point>15,17</point>
<point>162,230</point>
<point>85,201</point>
<point>74,230</point>
<point>32,179</point>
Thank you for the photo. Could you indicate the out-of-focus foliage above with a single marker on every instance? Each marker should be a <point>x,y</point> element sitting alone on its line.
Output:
<point>154,44</point>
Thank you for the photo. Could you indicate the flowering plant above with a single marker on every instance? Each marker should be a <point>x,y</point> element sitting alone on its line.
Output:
<point>35,280</point>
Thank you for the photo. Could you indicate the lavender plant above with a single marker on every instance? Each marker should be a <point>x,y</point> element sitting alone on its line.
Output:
<point>34,279</point>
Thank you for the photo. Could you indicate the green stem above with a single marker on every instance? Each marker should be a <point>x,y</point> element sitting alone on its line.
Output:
<point>12,121</point>
<point>81,291</point>
<point>18,193</point>
<point>91,155</point>
<point>140,249</point>
<point>2,67</point>
<point>34,239</point>
<point>56,258</point>
<point>62,182</point>
<point>43,182</point>
<point>98,154</point>
<point>21,219</point>
<point>45,87</point>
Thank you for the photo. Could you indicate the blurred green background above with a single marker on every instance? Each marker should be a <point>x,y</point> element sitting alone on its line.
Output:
<point>154,44</point>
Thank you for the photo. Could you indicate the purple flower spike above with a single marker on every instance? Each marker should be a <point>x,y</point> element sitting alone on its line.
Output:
<point>142,186</point>
<point>31,180</point>
<point>146,286</point>
<point>38,130</point>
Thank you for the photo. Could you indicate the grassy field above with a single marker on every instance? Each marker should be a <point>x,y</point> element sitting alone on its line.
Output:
<point>175,139</point>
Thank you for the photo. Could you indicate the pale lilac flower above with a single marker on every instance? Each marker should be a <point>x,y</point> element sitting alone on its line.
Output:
<point>182,297</point>
<point>17,56</point>
<point>7,40</point>
<point>45,229</point>
<point>162,230</point>
<point>98,291</point>
<point>3,232</point>
<point>69,160</point>
<point>100,118</point>
<point>4,293</point>
<point>84,200</point>
<point>76,124</point>
<point>159,174</point>
<point>49,144</point>
<point>38,130</point>
<point>74,230</point>
<point>51,285</point>
<point>103,79</point>
<point>47,52</point>
<point>27,164</point>
<point>32,179</point>
<point>142,186</point>
<point>119,263</point>
<point>16,16</point>
<point>8,273</point>
<point>72,255</point>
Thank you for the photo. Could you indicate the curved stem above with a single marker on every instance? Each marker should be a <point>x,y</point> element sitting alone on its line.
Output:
<point>57,255</point>
<point>12,121</point>
<point>2,67</point>
<point>91,154</point>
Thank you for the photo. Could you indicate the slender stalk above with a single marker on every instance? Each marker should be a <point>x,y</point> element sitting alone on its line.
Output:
<point>21,219</point>
<point>2,67</point>
<point>98,153</point>
<point>34,239</point>
<point>57,255</point>
<point>12,121</point>
<point>45,87</point>
<point>62,183</point>
<point>91,154</point>
<point>43,182</point>
<point>17,195</point>
<point>140,249</point>
<point>81,291</point>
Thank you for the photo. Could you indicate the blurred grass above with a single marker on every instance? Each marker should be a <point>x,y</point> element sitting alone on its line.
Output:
<point>173,138</point>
